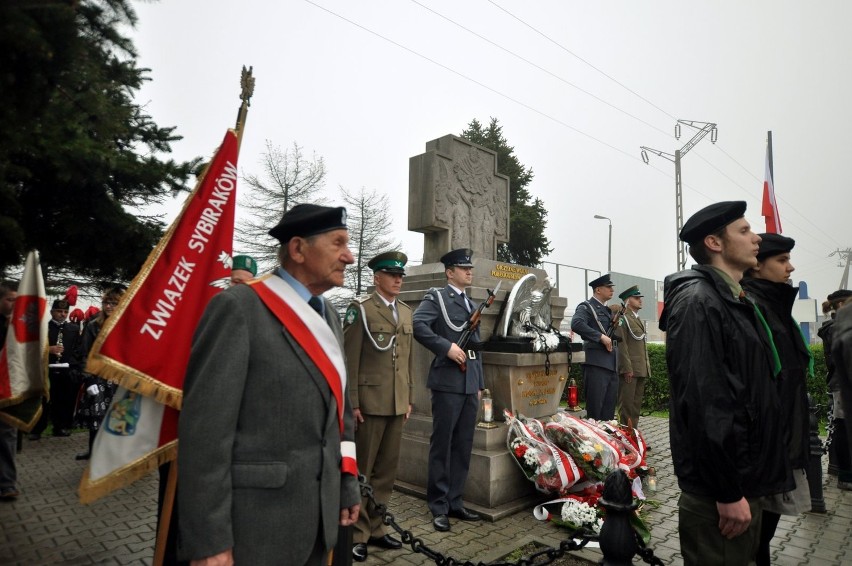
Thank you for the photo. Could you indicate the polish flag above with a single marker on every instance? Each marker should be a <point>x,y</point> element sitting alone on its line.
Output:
<point>770,208</point>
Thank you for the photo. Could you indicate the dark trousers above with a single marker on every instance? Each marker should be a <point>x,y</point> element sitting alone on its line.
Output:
<point>601,386</point>
<point>60,409</point>
<point>701,541</point>
<point>453,423</point>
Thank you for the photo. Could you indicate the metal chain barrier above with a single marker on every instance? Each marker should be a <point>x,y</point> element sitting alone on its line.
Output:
<point>829,427</point>
<point>540,558</point>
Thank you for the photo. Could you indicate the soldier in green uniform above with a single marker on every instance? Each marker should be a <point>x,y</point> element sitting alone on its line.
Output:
<point>634,367</point>
<point>377,335</point>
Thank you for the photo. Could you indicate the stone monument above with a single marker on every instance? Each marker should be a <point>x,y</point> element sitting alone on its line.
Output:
<point>458,200</point>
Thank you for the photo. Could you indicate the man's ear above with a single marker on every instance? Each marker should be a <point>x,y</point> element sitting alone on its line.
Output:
<point>295,249</point>
<point>713,243</point>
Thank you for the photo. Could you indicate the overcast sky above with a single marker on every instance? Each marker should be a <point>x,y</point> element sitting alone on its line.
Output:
<point>577,87</point>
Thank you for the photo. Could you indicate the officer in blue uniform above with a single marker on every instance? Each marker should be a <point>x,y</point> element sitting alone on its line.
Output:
<point>592,320</point>
<point>438,322</point>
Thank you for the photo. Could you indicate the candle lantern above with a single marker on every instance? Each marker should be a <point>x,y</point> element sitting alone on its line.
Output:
<point>487,409</point>
<point>573,396</point>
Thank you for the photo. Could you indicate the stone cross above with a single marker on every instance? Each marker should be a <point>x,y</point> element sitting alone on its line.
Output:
<point>457,199</point>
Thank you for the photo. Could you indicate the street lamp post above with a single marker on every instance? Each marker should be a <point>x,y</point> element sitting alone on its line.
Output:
<point>609,247</point>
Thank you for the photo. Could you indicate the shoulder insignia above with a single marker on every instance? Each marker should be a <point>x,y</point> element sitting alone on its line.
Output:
<point>400,303</point>
<point>362,298</point>
<point>351,316</point>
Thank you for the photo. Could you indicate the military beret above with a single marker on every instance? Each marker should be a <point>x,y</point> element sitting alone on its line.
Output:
<point>390,262</point>
<point>244,262</point>
<point>305,220</point>
<point>458,258</point>
<point>60,304</point>
<point>630,292</point>
<point>774,244</point>
<point>711,219</point>
<point>602,281</point>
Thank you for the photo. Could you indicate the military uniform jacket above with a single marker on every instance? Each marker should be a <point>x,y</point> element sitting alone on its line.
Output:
<point>632,347</point>
<point>378,356</point>
<point>433,330</point>
<point>72,343</point>
<point>590,320</point>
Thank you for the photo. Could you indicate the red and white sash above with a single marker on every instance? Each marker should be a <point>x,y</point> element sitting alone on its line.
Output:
<point>318,341</point>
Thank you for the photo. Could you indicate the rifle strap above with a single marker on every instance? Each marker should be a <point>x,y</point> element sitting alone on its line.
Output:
<point>594,314</point>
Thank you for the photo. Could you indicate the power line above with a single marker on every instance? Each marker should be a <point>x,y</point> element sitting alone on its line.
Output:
<point>649,102</point>
<point>540,68</point>
<point>562,47</point>
<point>474,81</point>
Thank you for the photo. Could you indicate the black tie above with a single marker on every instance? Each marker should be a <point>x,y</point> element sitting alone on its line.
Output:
<point>316,304</point>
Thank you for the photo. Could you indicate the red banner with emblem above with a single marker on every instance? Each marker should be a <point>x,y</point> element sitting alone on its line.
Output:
<point>145,345</point>
<point>23,357</point>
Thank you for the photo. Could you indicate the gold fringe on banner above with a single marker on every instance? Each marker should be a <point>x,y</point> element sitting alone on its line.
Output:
<point>25,414</point>
<point>91,491</point>
<point>134,380</point>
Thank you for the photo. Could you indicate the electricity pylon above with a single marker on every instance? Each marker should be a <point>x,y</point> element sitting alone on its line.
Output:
<point>703,128</point>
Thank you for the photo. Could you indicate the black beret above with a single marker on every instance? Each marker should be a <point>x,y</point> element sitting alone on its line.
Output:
<point>461,258</point>
<point>305,220</point>
<point>602,281</point>
<point>391,262</point>
<point>840,294</point>
<point>774,244</point>
<point>711,219</point>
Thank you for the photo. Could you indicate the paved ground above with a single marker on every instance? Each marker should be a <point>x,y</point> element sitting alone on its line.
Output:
<point>46,525</point>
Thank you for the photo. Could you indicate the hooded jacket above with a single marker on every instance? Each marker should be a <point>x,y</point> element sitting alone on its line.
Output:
<point>775,301</point>
<point>725,413</point>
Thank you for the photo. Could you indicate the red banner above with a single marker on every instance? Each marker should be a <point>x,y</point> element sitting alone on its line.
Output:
<point>145,344</point>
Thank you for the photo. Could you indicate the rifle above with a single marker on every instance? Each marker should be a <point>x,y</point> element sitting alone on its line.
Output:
<point>472,323</point>
<point>616,319</point>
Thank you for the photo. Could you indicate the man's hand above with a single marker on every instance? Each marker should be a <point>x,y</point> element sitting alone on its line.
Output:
<point>56,350</point>
<point>734,518</point>
<point>359,418</point>
<point>407,413</point>
<point>607,342</point>
<point>628,376</point>
<point>456,354</point>
<point>349,515</point>
<point>222,559</point>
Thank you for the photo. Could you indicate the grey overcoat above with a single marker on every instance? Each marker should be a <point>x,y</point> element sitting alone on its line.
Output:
<point>259,456</point>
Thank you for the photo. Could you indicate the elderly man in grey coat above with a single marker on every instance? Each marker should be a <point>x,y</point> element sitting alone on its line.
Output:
<point>267,466</point>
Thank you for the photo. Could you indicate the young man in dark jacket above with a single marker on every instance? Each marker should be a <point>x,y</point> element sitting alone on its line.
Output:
<point>768,284</point>
<point>725,422</point>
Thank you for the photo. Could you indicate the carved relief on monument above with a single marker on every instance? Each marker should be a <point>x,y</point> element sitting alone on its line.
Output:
<point>469,201</point>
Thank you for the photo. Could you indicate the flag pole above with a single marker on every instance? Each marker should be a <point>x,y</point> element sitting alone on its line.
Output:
<point>247,89</point>
<point>769,153</point>
<point>247,86</point>
<point>166,514</point>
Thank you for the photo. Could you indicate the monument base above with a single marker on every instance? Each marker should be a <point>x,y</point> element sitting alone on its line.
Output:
<point>495,487</point>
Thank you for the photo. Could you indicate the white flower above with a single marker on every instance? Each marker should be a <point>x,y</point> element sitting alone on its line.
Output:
<point>580,514</point>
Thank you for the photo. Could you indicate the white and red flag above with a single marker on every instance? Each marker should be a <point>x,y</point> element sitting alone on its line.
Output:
<point>23,358</point>
<point>769,209</point>
<point>145,344</point>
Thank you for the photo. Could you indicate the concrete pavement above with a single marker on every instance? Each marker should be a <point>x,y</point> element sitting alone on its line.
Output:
<point>46,525</point>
